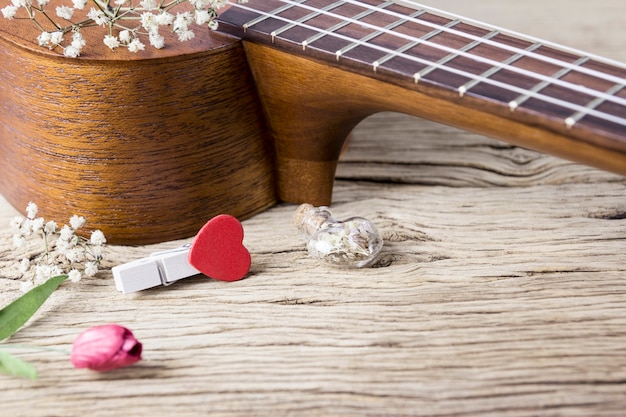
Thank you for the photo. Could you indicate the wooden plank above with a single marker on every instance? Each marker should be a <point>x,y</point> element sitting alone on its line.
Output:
<point>500,291</point>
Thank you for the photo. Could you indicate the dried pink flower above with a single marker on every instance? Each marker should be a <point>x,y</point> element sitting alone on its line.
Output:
<point>104,348</point>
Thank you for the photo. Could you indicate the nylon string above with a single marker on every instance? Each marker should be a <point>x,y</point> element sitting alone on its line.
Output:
<point>578,110</point>
<point>456,52</point>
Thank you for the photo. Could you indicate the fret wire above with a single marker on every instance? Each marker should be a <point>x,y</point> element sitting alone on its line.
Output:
<point>572,120</point>
<point>306,18</point>
<point>367,38</point>
<point>495,69</point>
<point>514,104</point>
<point>488,61</point>
<point>550,60</point>
<point>450,57</point>
<point>542,97</point>
<point>412,4</point>
<point>265,17</point>
<point>344,23</point>
<point>412,44</point>
<point>513,49</point>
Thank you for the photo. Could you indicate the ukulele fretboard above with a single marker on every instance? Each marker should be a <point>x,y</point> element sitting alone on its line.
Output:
<point>419,47</point>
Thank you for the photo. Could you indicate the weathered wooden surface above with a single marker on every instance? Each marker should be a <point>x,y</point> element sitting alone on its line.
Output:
<point>500,291</point>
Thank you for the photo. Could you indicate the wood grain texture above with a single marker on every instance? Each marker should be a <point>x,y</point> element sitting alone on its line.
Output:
<point>311,107</point>
<point>313,97</point>
<point>500,291</point>
<point>470,66</point>
<point>128,142</point>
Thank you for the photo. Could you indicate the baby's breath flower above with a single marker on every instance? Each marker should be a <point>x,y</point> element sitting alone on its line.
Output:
<point>203,16</point>
<point>111,41</point>
<point>77,221</point>
<point>78,38</point>
<point>24,265</point>
<point>50,227</point>
<point>27,227</point>
<point>65,252</point>
<point>45,272</point>
<point>98,16</point>
<point>148,22</point>
<point>44,39</point>
<point>77,44</point>
<point>38,224</point>
<point>71,51</point>
<point>74,275</point>
<point>125,36</point>
<point>31,210</point>
<point>181,22</point>
<point>198,4</point>
<point>91,268</point>
<point>185,35</point>
<point>75,254</point>
<point>9,12</point>
<point>79,4</point>
<point>156,40</point>
<point>16,223</point>
<point>136,45</point>
<point>62,246</point>
<point>42,273</point>
<point>65,12</point>
<point>56,38</point>
<point>148,4</point>
<point>66,234</point>
<point>134,19</point>
<point>164,18</point>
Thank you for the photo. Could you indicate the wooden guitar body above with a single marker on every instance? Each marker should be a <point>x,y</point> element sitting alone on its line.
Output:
<point>146,147</point>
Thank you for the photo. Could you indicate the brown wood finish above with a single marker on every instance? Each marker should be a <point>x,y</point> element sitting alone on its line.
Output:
<point>147,147</point>
<point>313,97</point>
<point>500,291</point>
<point>311,107</point>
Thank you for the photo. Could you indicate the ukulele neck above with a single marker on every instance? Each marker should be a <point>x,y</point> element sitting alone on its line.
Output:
<point>560,97</point>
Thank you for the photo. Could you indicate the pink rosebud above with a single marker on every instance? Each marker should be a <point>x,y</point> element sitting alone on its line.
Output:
<point>104,348</point>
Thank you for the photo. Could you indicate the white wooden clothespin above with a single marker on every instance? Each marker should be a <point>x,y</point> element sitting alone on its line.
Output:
<point>160,268</point>
<point>217,252</point>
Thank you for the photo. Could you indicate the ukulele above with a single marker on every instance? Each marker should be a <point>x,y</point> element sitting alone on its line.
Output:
<point>148,146</point>
<point>323,66</point>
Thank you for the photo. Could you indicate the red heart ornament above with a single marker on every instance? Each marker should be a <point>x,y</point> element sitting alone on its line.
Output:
<point>218,251</point>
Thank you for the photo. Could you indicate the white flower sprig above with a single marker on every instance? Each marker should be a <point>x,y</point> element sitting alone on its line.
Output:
<point>64,251</point>
<point>126,22</point>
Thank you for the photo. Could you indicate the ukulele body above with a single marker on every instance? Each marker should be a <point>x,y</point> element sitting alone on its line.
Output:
<point>147,149</point>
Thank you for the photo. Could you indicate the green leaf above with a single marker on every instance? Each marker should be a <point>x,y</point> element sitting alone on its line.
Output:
<point>14,366</point>
<point>16,314</point>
